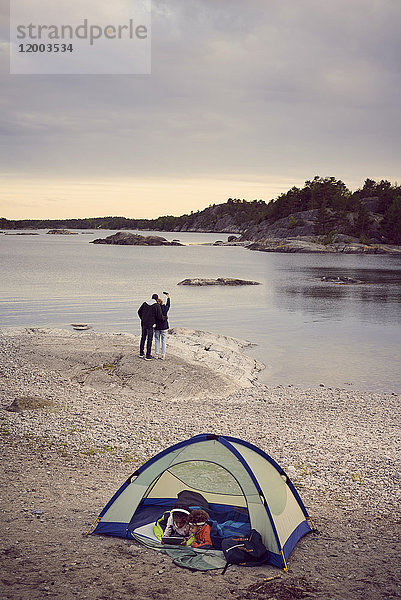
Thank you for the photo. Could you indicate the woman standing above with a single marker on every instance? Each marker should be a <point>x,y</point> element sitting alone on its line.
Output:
<point>161,329</point>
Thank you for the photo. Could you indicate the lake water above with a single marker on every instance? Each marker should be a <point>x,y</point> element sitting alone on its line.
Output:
<point>308,332</point>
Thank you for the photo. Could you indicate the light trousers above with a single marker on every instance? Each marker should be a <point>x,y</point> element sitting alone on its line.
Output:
<point>160,337</point>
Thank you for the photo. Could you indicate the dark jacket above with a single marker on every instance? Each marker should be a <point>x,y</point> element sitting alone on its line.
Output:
<point>163,323</point>
<point>150,312</point>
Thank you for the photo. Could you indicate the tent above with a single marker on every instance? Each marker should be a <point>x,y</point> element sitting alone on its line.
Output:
<point>243,486</point>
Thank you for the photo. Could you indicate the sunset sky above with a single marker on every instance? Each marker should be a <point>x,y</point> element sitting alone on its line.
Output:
<point>245,100</point>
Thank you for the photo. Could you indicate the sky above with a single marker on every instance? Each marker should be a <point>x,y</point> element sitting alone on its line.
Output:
<point>244,100</point>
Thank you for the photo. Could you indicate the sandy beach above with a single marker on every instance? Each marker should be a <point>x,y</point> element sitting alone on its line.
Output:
<point>80,411</point>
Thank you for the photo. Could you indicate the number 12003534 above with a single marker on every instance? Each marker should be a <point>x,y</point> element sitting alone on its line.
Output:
<point>45,48</point>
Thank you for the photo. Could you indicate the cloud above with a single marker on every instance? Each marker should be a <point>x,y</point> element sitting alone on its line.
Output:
<point>237,89</point>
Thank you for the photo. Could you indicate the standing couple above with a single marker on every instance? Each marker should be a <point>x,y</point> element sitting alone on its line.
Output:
<point>153,315</point>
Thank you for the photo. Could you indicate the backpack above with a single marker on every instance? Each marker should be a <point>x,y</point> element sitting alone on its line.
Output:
<point>248,551</point>
<point>193,499</point>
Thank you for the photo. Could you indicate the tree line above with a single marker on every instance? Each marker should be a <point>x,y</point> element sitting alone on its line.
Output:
<point>373,211</point>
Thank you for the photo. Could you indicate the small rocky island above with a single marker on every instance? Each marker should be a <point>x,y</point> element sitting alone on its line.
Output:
<point>218,281</point>
<point>125,238</point>
<point>61,232</point>
<point>341,280</point>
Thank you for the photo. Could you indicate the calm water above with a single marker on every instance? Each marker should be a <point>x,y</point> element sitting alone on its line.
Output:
<point>307,331</point>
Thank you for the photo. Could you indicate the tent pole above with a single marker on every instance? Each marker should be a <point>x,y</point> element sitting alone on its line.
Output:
<point>285,568</point>
<point>92,527</point>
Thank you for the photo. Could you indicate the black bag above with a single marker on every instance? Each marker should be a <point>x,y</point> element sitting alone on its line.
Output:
<point>193,499</point>
<point>247,551</point>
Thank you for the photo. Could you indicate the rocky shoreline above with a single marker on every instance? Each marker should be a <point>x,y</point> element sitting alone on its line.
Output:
<point>287,244</point>
<point>283,243</point>
<point>313,245</point>
<point>106,411</point>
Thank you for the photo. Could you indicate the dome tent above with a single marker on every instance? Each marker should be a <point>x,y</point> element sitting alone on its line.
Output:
<point>235,478</point>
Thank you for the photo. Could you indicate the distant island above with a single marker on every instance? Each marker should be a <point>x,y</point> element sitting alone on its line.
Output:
<point>125,238</point>
<point>323,215</point>
<point>199,281</point>
<point>61,232</point>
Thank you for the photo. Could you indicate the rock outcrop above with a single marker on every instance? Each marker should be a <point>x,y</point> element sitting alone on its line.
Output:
<point>61,232</point>
<point>309,244</point>
<point>297,233</point>
<point>219,281</point>
<point>125,238</point>
<point>301,224</point>
<point>341,280</point>
<point>22,403</point>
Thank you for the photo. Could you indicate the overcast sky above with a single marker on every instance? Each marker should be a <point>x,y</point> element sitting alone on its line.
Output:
<point>245,99</point>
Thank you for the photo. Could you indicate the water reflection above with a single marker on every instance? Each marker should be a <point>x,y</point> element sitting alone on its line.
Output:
<point>330,291</point>
<point>386,275</point>
<point>301,288</point>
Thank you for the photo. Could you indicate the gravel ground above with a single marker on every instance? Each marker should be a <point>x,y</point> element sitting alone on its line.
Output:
<point>100,411</point>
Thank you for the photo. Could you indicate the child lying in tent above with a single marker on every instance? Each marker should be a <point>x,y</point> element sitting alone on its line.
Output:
<point>199,530</point>
<point>173,523</point>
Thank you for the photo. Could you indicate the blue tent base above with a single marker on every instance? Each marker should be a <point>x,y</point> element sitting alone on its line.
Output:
<point>114,529</point>
<point>302,529</point>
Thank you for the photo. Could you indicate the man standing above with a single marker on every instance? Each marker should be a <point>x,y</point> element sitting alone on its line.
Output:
<point>149,312</point>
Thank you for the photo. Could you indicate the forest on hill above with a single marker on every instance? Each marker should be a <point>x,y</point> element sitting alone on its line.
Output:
<point>371,213</point>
